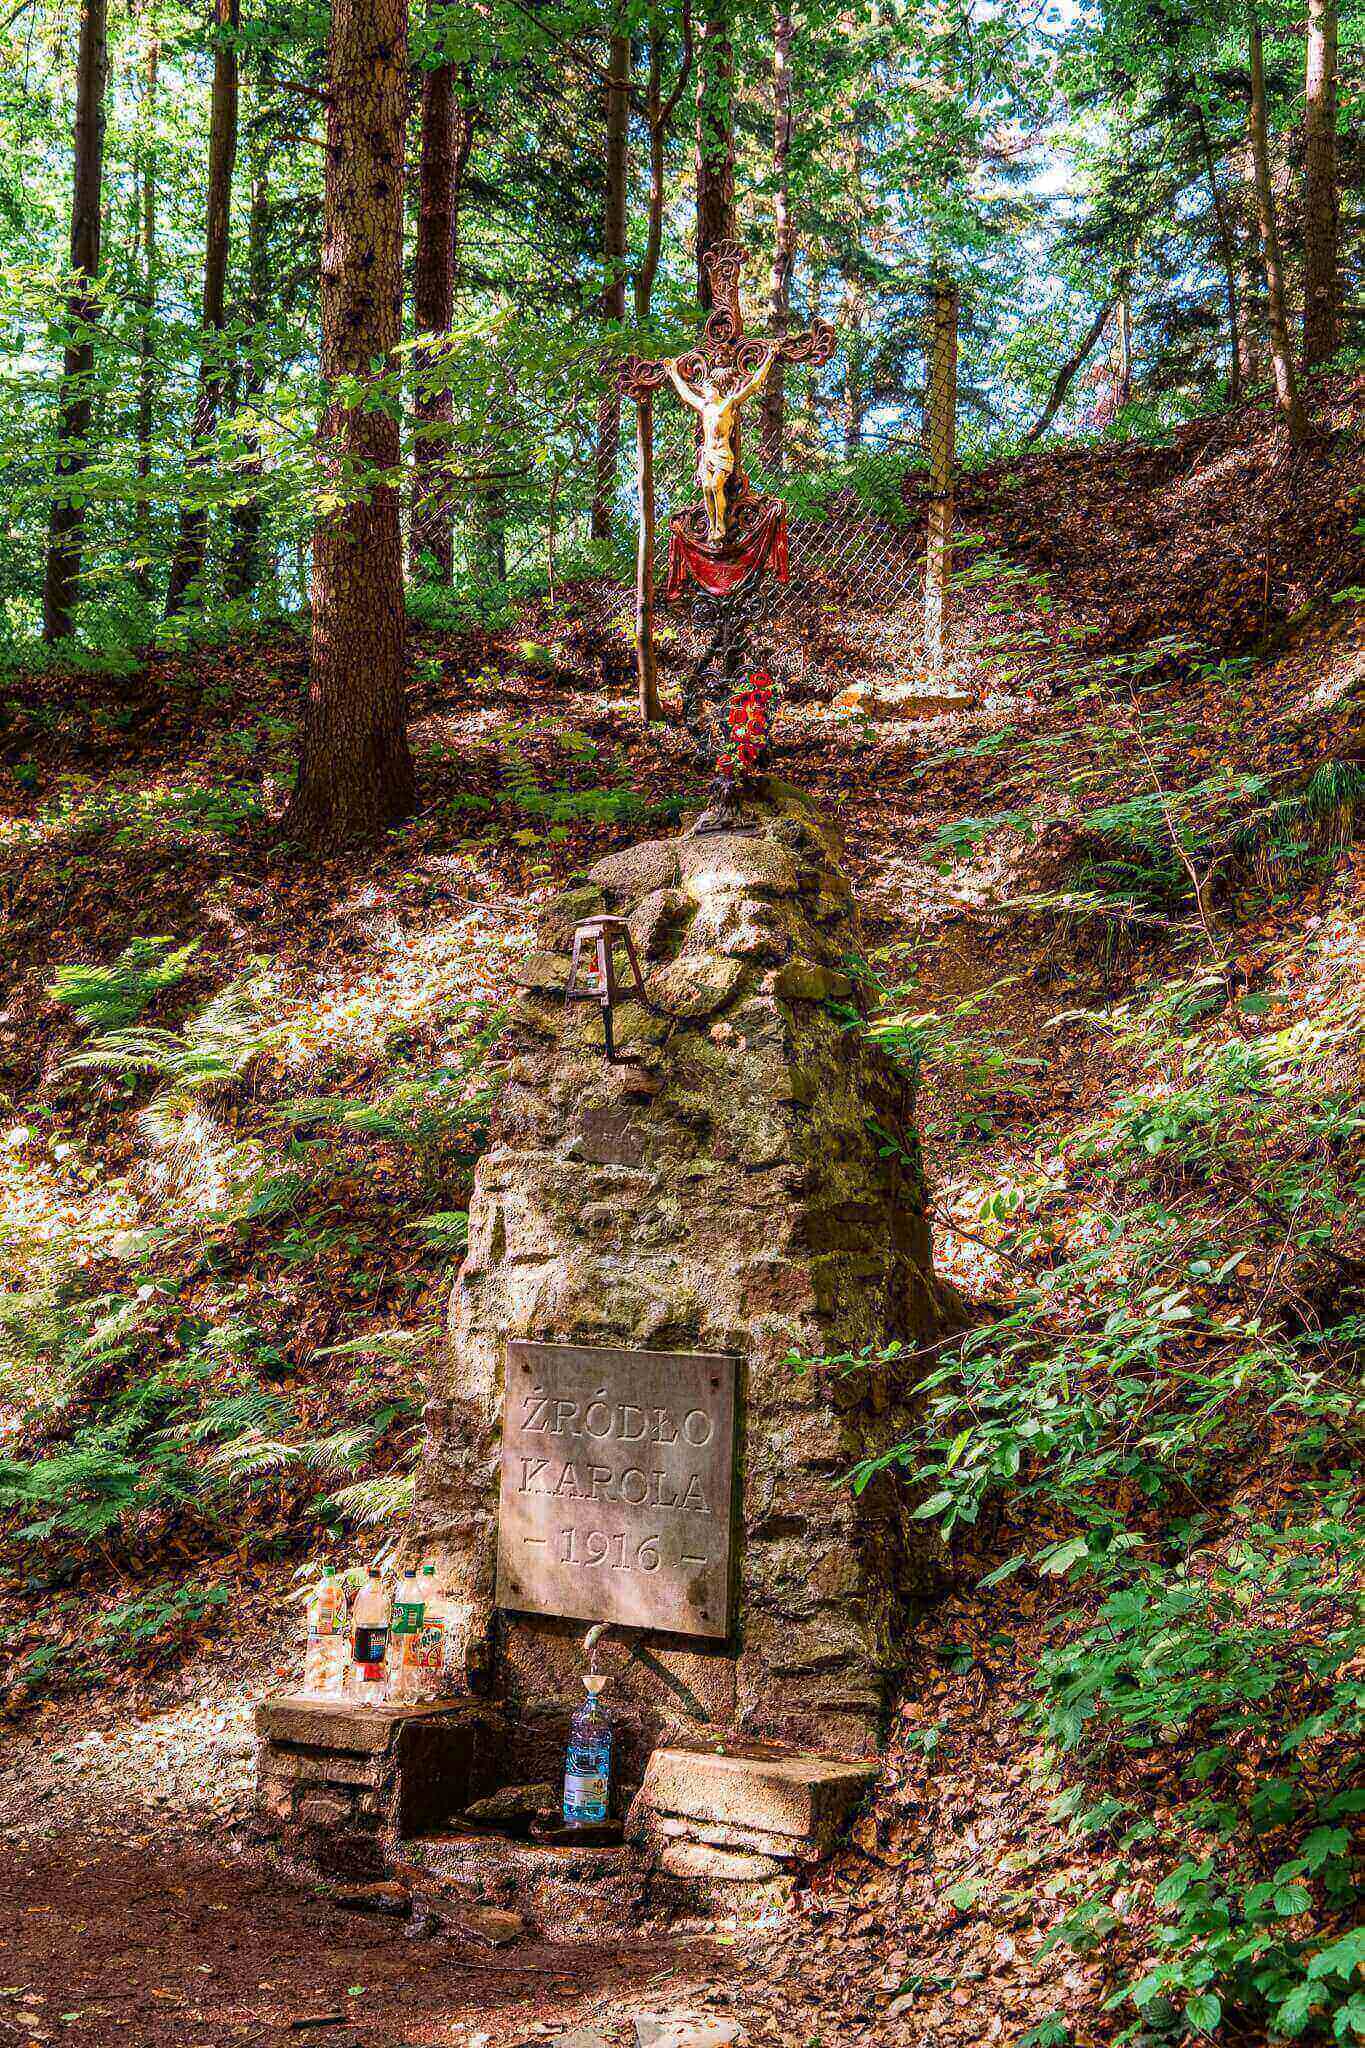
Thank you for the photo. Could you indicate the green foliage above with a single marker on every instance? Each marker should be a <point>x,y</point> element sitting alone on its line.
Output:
<point>1098,1416</point>
<point>111,998</point>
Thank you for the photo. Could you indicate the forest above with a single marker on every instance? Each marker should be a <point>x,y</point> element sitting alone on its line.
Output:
<point>454,455</point>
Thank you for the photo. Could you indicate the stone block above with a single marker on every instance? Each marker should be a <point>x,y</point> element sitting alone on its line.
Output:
<point>808,1797</point>
<point>326,1724</point>
<point>326,1810</point>
<point>638,870</point>
<point>723,863</point>
<point>719,1866</point>
<point>684,2030</point>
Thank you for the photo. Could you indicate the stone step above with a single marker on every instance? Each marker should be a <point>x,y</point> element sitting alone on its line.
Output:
<point>788,1807</point>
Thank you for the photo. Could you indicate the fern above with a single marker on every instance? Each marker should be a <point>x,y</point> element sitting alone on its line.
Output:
<point>215,1046</point>
<point>112,998</point>
<point>367,1501</point>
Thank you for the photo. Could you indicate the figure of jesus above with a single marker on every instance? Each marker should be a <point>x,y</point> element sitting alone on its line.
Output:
<point>719,411</point>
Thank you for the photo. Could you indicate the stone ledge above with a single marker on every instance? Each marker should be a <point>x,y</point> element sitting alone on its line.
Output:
<point>343,1725</point>
<point>789,1808</point>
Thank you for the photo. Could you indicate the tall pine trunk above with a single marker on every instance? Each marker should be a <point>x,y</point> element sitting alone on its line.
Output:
<point>715,138</point>
<point>355,769</point>
<point>244,556</point>
<point>66,521</point>
<point>941,411</point>
<point>431,527</point>
<point>146,307</point>
<point>773,405</point>
<point>1286,384</point>
<point>612,303</point>
<point>1321,198</point>
<point>187,563</point>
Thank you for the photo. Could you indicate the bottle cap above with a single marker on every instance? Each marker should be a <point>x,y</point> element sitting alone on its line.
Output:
<point>428,1570</point>
<point>594,1681</point>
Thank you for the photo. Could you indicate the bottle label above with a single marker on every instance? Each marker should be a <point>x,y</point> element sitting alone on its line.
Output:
<point>426,1651</point>
<point>585,1796</point>
<point>407,1616</point>
<point>370,1645</point>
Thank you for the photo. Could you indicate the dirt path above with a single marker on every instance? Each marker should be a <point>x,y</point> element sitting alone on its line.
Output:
<point>179,1948</point>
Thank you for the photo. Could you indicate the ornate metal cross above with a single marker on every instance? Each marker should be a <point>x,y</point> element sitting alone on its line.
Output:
<point>726,345</point>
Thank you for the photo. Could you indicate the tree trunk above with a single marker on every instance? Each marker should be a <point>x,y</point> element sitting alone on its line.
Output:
<point>187,563</point>
<point>1286,384</point>
<point>1066,375</point>
<point>773,404</point>
<point>1123,384</point>
<point>1321,198</point>
<point>1229,262</point>
<point>855,396</point>
<point>659,116</point>
<point>715,139</point>
<point>67,518</point>
<point>146,307</point>
<point>938,560</point>
<point>355,769</point>
<point>244,557</point>
<point>431,527</point>
<point>646,663</point>
<point>1251,275</point>
<point>612,303</point>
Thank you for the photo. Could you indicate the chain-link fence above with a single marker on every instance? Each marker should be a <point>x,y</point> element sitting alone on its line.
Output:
<point>564,519</point>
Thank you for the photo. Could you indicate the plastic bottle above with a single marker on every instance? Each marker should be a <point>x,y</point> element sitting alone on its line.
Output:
<point>587,1769</point>
<point>429,1653</point>
<point>405,1633</point>
<point>324,1660</point>
<point>370,1640</point>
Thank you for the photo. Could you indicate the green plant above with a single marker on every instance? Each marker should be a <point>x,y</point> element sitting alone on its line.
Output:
<point>112,998</point>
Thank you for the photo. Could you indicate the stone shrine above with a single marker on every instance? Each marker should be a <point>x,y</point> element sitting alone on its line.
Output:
<point>744,1182</point>
<point>660,1245</point>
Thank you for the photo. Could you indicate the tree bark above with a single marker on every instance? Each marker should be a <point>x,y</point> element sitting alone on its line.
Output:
<point>1123,386</point>
<point>612,303</point>
<point>1066,375</point>
<point>773,405</point>
<point>1229,261</point>
<point>715,138</point>
<point>1321,196</point>
<point>1286,384</point>
<point>187,563</point>
<point>659,116</point>
<point>431,526</point>
<point>66,520</point>
<point>244,557</point>
<point>646,663</point>
<point>355,769</point>
<point>938,560</point>
<point>146,306</point>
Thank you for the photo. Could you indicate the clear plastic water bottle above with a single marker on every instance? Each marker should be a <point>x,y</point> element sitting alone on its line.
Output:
<point>587,1769</point>
<point>405,1636</point>
<point>324,1660</point>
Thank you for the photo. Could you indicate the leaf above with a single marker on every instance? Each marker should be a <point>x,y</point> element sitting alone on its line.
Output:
<point>1203,2011</point>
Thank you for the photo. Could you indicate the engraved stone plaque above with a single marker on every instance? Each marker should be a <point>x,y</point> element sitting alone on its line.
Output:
<point>617,1469</point>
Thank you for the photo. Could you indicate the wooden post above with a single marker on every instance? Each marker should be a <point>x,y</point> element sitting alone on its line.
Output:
<point>942,409</point>
<point>646,667</point>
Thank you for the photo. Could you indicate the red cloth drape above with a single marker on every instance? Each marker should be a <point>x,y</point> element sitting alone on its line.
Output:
<point>725,566</point>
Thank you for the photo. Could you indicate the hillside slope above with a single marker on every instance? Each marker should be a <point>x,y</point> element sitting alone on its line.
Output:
<point>1113,907</point>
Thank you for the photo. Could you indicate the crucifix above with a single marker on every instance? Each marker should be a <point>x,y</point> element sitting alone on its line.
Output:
<point>724,544</point>
<point>715,381</point>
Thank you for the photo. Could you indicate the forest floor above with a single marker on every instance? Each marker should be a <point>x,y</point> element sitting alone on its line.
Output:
<point>223,1293</point>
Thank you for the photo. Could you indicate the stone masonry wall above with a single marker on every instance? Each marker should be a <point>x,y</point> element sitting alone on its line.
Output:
<point>746,1182</point>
